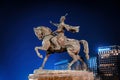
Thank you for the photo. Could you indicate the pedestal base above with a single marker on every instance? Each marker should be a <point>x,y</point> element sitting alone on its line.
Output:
<point>61,75</point>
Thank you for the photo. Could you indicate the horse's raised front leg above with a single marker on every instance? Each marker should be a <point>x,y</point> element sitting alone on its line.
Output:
<point>38,54</point>
<point>45,59</point>
<point>45,47</point>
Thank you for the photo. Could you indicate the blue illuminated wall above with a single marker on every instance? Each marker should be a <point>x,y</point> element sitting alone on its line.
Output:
<point>98,21</point>
<point>92,65</point>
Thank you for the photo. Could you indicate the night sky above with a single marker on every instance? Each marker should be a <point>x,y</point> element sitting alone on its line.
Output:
<point>99,23</point>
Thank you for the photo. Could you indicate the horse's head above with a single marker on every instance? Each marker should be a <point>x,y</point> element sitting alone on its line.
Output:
<point>42,31</point>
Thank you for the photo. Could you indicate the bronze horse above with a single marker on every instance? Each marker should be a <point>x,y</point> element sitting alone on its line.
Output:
<point>72,46</point>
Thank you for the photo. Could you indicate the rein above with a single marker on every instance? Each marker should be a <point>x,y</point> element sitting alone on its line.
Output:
<point>47,36</point>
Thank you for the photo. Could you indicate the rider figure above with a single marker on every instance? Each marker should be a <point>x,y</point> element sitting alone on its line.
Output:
<point>60,38</point>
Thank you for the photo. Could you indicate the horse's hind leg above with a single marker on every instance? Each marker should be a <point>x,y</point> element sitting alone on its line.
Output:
<point>73,56</point>
<point>83,63</point>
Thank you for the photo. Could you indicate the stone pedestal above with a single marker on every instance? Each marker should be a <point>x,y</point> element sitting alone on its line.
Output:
<point>61,75</point>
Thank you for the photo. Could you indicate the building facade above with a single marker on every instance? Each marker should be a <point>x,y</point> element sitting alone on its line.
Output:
<point>92,65</point>
<point>109,62</point>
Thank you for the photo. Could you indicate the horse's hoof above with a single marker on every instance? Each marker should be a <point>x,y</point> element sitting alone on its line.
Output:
<point>69,68</point>
<point>84,69</point>
<point>87,56</point>
<point>41,56</point>
<point>40,68</point>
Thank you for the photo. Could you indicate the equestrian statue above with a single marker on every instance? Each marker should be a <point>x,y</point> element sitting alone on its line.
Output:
<point>57,42</point>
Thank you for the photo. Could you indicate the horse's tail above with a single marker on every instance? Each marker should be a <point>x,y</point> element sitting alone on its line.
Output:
<point>86,48</point>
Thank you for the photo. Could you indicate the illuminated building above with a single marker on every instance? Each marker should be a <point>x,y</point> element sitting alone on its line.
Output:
<point>92,65</point>
<point>109,62</point>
